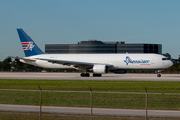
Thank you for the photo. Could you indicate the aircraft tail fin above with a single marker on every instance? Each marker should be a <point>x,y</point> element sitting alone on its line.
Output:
<point>29,46</point>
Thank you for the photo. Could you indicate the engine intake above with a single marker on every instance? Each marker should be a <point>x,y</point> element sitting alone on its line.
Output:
<point>100,69</point>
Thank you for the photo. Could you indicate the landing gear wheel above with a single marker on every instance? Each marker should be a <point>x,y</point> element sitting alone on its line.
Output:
<point>97,75</point>
<point>158,75</point>
<point>84,75</point>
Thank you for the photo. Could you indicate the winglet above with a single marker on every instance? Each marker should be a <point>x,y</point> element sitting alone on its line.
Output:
<point>29,46</point>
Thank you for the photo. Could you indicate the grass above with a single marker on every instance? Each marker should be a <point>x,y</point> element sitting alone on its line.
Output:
<point>123,101</point>
<point>79,85</point>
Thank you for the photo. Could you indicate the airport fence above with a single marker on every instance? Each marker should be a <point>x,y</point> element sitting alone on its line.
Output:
<point>91,99</point>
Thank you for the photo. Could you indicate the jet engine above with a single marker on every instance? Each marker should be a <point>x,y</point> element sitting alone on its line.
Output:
<point>100,69</point>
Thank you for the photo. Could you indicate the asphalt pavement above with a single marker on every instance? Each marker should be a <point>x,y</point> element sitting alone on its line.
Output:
<point>96,111</point>
<point>76,76</point>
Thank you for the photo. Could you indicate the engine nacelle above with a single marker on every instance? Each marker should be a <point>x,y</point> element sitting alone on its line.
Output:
<point>100,69</point>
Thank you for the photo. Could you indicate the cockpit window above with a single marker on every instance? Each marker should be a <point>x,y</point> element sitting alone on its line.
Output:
<point>165,59</point>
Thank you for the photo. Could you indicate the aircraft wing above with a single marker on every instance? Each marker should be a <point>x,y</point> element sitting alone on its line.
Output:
<point>77,64</point>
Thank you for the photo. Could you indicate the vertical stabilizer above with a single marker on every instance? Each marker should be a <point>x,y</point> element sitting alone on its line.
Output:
<point>29,46</point>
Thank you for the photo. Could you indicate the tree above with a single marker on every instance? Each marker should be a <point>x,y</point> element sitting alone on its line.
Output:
<point>1,64</point>
<point>168,56</point>
<point>17,65</point>
<point>6,64</point>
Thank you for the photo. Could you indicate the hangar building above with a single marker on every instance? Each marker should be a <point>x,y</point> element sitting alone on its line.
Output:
<point>97,47</point>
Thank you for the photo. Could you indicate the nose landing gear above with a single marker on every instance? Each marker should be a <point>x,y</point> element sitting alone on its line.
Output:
<point>159,73</point>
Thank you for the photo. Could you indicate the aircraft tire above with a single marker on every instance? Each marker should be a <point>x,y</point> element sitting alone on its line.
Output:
<point>158,75</point>
<point>87,74</point>
<point>84,74</point>
<point>97,75</point>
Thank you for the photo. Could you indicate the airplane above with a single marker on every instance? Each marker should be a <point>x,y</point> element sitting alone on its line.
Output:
<point>97,63</point>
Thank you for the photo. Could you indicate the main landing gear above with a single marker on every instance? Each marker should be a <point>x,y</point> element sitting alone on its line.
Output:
<point>97,75</point>
<point>87,75</point>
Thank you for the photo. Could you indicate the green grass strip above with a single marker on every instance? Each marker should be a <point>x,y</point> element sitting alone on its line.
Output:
<point>80,85</point>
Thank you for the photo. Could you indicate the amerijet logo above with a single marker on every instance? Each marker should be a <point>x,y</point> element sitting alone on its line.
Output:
<point>27,45</point>
<point>141,62</point>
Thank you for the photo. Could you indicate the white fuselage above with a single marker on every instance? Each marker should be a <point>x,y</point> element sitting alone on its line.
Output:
<point>119,61</point>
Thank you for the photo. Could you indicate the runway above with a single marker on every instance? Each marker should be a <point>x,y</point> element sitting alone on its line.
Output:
<point>76,76</point>
<point>96,111</point>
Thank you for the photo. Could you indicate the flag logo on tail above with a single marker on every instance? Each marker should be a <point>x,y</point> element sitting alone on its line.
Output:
<point>27,45</point>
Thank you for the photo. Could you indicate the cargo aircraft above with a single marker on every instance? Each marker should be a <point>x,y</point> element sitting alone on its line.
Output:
<point>97,63</point>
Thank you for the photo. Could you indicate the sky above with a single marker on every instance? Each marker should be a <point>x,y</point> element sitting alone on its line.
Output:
<point>72,21</point>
